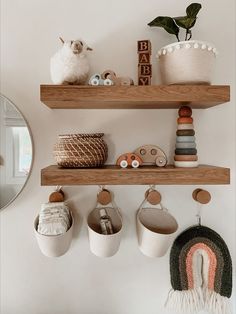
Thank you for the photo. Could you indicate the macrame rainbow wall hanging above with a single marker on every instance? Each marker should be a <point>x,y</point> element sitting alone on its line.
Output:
<point>201,272</point>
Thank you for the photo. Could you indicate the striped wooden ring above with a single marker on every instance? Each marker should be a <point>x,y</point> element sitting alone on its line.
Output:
<point>186,164</point>
<point>185,126</point>
<point>185,157</point>
<point>185,145</point>
<point>185,120</point>
<point>180,139</point>
<point>185,151</point>
<point>186,132</point>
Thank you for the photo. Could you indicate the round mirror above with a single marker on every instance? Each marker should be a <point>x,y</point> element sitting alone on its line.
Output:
<point>15,152</point>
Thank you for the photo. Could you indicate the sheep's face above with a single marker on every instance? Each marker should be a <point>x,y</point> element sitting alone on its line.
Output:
<point>77,46</point>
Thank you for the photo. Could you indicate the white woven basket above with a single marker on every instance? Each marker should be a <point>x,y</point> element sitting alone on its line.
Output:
<point>187,62</point>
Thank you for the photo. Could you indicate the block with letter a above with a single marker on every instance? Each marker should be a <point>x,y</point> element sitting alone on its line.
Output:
<point>144,58</point>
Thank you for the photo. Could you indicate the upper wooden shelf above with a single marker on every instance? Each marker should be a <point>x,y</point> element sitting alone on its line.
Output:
<point>145,175</point>
<point>133,97</point>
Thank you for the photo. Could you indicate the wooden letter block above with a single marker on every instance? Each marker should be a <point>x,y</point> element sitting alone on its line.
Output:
<point>144,46</point>
<point>145,70</point>
<point>144,58</point>
<point>144,80</point>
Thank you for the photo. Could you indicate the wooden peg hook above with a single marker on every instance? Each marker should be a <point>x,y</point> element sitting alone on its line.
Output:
<point>104,197</point>
<point>57,196</point>
<point>153,197</point>
<point>201,196</point>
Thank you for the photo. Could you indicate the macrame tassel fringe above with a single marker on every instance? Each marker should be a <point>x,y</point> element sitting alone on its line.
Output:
<point>216,304</point>
<point>194,300</point>
<point>190,301</point>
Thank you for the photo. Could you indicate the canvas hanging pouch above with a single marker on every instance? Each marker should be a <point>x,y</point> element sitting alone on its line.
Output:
<point>156,227</point>
<point>53,227</point>
<point>105,224</point>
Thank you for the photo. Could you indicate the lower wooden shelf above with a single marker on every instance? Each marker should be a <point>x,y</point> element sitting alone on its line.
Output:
<point>114,175</point>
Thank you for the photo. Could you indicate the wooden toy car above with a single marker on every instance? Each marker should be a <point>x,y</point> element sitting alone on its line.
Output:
<point>144,155</point>
<point>108,78</point>
<point>151,155</point>
<point>129,159</point>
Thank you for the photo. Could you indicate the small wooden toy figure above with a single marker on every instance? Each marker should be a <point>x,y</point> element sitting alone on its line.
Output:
<point>108,77</point>
<point>144,62</point>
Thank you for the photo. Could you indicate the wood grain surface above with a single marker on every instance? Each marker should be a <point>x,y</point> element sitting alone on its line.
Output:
<point>133,97</point>
<point>145,175</point>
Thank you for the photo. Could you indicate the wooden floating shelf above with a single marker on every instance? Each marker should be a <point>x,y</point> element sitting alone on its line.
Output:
<point>114,175</point>
<point>133,97</point>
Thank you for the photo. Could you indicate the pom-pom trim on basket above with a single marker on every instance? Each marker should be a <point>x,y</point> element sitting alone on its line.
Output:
<point>196,44</point>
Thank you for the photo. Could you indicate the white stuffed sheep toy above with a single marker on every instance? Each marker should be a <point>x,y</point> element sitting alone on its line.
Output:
<point>70,64</point>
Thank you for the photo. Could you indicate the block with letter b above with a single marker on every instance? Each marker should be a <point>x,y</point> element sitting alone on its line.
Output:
<point>145,70</point>
<point>144,46</point>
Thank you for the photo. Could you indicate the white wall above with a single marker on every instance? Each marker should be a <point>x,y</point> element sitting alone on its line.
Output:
<point>129,282</point>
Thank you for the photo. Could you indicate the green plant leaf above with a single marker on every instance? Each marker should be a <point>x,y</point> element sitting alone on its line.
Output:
<point>193,9</point>
<point>167,23</point>
<point>185,21</point>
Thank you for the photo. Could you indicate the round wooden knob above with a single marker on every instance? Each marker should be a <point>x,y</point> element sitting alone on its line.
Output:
<point>201,196</point>
<point>104,197</point>
<point>57,196</point>
<point>153,197</point>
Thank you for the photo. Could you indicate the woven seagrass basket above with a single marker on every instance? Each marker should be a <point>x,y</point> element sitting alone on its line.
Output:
<point>80,150</point>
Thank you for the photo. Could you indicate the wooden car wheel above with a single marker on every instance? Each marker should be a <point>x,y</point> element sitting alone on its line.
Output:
<point>124,164</point>
<point>161,161</point>
<point>135,163</point>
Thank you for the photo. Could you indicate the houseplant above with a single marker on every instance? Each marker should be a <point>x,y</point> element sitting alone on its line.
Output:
<point>188,61</point>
